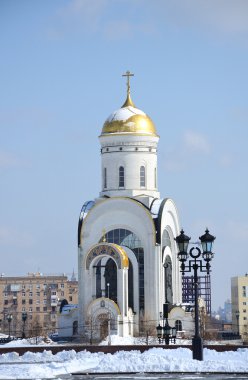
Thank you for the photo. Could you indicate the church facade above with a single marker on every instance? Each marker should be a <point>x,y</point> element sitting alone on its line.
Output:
<point>127,255</point>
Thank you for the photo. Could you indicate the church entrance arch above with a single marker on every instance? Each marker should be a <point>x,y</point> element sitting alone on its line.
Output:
<point>108,265</point>
<point>100,313</point>
<point>126,238</point>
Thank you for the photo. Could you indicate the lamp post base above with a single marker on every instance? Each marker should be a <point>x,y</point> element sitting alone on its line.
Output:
<point>197,348</point>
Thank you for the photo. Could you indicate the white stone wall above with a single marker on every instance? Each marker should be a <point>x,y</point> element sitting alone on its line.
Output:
<point>119,212</point>
<point>107,215</point>
<point>131,152</point>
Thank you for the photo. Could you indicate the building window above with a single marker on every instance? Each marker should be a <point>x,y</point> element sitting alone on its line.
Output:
<point>105,178</point>
<point>23,309</point>
<point>244,310</point>
<point>15,302</point>
<point>54,293</point>
<point>37,286</point>
<point>30,302</point>
<point>62,286</point>
<point>121,176</point>
<point>244,291</point>
<point>155,178</point>
<point>38,294</point>
<point>23,294</point>
<point>245,318</point>
<point>37,308</point>
<point>31,309</point>
<point>142,176</point>
<point>62,294</point>
<point>6,302</point>
<point>30,294</point>
<point>244,303</point>
<point>178,325</point>
<point>44,308</point>
<point>23,302</point>
<point>37,302</point>
<point>70,298</point>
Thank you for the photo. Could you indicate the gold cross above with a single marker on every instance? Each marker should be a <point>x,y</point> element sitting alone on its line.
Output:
<point>128,74</point>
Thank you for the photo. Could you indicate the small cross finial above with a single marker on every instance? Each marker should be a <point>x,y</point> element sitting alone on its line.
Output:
<point>128,74</point>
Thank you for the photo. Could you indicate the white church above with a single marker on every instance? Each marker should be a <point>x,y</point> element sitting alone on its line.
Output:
<point>127,255</point>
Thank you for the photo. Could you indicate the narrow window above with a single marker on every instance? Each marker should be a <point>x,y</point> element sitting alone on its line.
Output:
<point>105,178</point>
<point>178,325</point>
<point>155,178</point>
<point>142,176</point>
<point>121,176</point>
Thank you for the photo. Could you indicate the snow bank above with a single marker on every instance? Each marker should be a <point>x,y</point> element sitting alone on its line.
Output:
<point>45,365</point>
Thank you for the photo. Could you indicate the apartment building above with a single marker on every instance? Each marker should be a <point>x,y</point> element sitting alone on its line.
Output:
<point>38,297</point>
<point>239,293</point>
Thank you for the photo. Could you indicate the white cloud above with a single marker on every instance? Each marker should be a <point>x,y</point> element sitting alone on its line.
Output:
<point>94,17</point>
<point>225,16</point>
<point>196,142</point>
<point>237,230</point>
<point>192,144</point>
<point>226,161</point>
<point>8,160</point>
<point>222,17</point>
<point>16,239</point>
<point>77,16</point>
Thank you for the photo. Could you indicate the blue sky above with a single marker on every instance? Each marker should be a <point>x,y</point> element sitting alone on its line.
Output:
<point>60,73</point>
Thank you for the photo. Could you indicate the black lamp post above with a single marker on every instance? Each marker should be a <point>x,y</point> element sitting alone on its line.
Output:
<point>237,317</point>
<point>9,319</point>
<point>166,333</point>
<point>196,263</point>
<point>24,318</point>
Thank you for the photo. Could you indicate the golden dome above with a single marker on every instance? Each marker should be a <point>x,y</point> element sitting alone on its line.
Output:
<point>129,119</point>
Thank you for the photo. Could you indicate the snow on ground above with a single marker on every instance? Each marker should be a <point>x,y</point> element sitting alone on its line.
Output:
<point>46,365</point>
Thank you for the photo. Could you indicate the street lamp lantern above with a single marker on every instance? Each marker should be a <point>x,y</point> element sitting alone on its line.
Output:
<point>207,241</point>
<point>174,333</point>
<point>182,242</point>
<point>196,263</point>
<point>159,332</point>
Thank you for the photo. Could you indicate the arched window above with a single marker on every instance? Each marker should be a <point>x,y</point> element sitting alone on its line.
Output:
<point>121,176</point>
<point>75,328</point>
<point>105,178</point>
<point>178,325</point>
<point>142,176</point>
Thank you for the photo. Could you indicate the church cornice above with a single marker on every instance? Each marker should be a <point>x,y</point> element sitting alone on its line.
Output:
<point>129,134</point>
